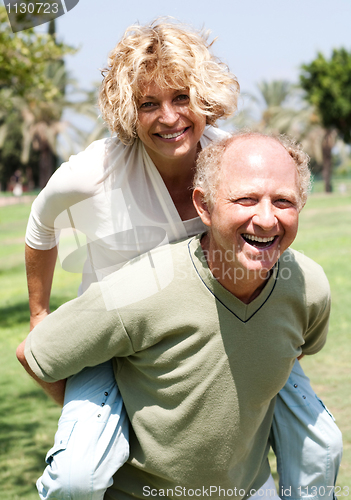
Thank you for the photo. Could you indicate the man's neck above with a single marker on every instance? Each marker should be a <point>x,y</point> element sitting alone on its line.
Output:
<point>244,285</point>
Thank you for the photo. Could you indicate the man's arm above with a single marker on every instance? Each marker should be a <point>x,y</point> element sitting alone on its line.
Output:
<point>80,333</point>
<point>56,390</point>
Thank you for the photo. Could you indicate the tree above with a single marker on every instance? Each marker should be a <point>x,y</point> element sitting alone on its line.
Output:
<point>24,57</point>
<point>274,95</point>
<point>277,108</point>
<point>327,84</point>
<point>32,88</point>
<point>10,156</point>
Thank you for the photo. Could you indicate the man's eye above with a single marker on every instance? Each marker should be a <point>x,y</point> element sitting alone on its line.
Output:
<point>283,202</point>
<point>245,201</point>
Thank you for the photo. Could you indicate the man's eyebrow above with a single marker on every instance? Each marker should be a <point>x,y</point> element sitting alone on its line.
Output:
<point>289,193</point>
<point>246,193</point>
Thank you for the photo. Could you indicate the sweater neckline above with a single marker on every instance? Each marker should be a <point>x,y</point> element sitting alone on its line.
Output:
<point>244,312</point>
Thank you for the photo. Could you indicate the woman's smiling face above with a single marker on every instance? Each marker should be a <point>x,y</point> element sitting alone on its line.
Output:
<point>166,125</point>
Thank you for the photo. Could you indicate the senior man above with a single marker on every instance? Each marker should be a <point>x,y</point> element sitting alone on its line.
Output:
<point>204,332</point>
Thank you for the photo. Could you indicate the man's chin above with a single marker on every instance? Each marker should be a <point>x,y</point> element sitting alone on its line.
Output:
<point>260,262</point>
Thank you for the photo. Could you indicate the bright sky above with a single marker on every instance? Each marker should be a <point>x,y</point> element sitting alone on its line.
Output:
<point>258,39</point>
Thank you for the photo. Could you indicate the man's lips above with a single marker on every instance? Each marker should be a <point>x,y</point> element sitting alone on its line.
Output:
<point>171,135</point>
<point>258,241</point>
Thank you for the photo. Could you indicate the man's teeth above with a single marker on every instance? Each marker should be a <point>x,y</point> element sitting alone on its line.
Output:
<point>172,136</point>
<point>258,239</point>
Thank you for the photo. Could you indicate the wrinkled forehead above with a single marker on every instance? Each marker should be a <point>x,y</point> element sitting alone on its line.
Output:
<point>257,151</point>
<point>258,162</point>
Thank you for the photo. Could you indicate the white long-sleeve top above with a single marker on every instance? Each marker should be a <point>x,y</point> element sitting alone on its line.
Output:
<point>105,206</point>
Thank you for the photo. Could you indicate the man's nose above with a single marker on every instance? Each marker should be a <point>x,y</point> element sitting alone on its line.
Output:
<point>265,216</point>
<point>168,114</point>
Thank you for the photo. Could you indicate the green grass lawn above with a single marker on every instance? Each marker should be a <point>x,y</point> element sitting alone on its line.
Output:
<point>28,418</point>
<point>325,236</point>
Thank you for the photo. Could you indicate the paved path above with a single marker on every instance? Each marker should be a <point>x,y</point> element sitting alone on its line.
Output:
<point>15,200</point>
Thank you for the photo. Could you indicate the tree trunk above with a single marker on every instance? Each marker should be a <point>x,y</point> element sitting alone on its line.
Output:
<point>327,145</point>
<point>29,176</point>
<point>46,164</point>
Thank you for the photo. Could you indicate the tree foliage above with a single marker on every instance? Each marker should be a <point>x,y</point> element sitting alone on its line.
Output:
<point>327,84</point>
<point>267,111</point>
<point>32,97</point>
<point>23,60</point>
<point>279,107</point>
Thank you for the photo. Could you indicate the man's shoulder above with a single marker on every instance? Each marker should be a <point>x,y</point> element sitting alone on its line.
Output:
<point>305,263</point>
<point>146,276</point>
<point>305,273</point>
<point>157,256</point>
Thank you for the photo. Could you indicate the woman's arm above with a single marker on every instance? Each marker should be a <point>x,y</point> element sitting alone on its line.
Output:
<point>40,266</point>
<point>55,390</point>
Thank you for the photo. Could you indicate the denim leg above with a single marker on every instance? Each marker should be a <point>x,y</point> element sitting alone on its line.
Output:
<point>91,442</point>
<point>306,441</point>
<point>266,492</point>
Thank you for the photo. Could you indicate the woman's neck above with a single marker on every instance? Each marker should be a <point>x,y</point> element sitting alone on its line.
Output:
<point>182,199</point>
<point>178,174</point>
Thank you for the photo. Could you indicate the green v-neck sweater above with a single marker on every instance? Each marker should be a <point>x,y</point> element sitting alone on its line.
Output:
<point>198,369</point>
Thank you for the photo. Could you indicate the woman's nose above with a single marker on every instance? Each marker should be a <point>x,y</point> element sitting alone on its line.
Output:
<point>168,114</point>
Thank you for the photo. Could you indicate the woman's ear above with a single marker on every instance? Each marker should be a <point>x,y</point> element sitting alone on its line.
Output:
<point>201,206</point>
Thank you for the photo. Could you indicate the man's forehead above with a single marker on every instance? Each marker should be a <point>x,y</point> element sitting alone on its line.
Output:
<point>256,153</point>
<point>254,146</point>
<point>251,164</point>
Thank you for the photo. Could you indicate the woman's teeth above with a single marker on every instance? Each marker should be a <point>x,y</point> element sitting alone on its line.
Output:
<point>172,136</point>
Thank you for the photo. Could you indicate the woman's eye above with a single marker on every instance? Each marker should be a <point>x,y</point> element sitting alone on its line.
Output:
<point>147,104</point>
<point>182,97</point>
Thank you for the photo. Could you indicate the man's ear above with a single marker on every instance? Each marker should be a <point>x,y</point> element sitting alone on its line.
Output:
<point>201,206</point>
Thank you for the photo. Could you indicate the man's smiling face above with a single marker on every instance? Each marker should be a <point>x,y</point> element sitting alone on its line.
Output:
<point>254,216</point>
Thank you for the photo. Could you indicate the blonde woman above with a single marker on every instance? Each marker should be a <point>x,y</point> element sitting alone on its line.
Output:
<point>162,93</point>
<point>161,96</point>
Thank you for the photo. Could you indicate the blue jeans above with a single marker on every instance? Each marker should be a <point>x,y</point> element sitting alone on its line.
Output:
<point>306,441</point>
<point>91,442</point>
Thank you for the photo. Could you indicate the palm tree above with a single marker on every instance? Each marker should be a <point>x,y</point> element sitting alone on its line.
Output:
<point>41,114</point>
<point>41,124</point>
<point>267,111</point>
<point>280,108</point>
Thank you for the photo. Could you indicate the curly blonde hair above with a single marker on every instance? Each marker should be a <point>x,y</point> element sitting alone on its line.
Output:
<point>208,165</point>
<point>172,56</point>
